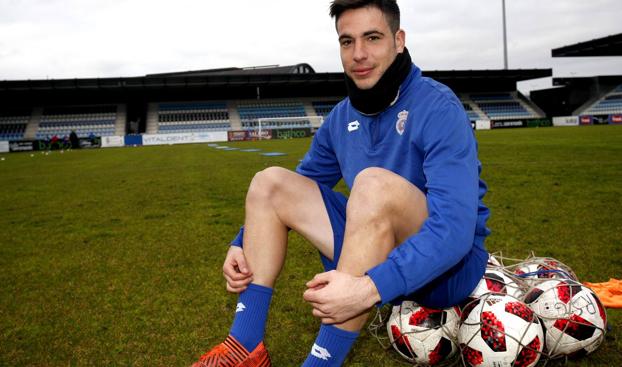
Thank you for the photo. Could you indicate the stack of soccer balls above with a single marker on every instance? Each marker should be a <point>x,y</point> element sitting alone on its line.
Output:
<point>518,314</point>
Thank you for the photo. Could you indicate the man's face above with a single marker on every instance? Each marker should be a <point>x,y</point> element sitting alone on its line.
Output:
<point>368,47</point>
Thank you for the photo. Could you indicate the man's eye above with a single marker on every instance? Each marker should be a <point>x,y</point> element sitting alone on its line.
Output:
<point>346,42</point>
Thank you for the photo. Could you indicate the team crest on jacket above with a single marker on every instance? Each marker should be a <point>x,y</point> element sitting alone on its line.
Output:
<point>400,125</point>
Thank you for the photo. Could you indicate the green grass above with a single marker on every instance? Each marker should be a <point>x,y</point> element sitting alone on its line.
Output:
<point>113,257</point>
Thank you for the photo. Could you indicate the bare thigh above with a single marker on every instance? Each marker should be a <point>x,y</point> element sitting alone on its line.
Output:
<point>298,202</point>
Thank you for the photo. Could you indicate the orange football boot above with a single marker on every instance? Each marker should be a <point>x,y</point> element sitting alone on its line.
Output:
<point>231,353</point>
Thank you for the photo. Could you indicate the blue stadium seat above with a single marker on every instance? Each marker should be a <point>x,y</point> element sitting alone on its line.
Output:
<point>500,106</point>
<point>251,112</point>
<point>193,117</point>
<point>98,120</point>
<point>13,127</point>
<point>610,103</point>
<point>323,108</point>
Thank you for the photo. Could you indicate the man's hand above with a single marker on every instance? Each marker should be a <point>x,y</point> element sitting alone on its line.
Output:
<point>236,271</point>
<point>337,297</point>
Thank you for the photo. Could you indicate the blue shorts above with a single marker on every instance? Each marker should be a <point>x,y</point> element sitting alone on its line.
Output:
<point>449,289</point>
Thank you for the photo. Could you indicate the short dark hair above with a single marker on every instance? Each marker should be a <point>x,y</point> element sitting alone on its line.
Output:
<point>389,8</point>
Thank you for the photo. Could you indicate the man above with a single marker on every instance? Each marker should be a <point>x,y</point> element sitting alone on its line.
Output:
<point>414,224</point>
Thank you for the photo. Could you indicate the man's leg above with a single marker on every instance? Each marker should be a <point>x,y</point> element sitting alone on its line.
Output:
<point>383,210</point>
<point>277,199</point>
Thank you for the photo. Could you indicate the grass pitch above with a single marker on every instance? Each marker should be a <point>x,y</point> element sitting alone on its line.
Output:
<point>113,257</point>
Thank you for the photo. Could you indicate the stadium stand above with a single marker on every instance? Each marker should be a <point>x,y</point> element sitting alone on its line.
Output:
<point>597,97</point>
<point>13,127</point>
<point>192,117</point>
<point>608,104</point>
<point>250,112</point>
<point>471,112</point>
<point>323,108</point>
<point>222,100</point>
<point>85,121</point>
<point>500,106</point>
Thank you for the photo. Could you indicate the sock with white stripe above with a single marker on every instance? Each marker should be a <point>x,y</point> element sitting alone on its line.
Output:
<point>331,347</point>
<point>249,324</point>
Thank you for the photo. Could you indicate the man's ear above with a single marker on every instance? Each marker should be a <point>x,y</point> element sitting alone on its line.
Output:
<point>400,40</point>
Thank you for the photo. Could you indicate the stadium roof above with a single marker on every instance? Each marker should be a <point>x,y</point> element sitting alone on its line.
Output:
<point>606,46</point>
<point>232,83</point>
<point>253,70</point>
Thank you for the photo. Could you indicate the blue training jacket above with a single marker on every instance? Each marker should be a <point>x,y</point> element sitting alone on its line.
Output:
<point>427,138</point>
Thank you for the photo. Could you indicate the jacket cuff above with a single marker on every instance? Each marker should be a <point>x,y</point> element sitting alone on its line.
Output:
<point>388,281</point>
<point>239,239</point>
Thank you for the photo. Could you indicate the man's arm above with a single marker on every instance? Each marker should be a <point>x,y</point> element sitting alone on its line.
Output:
<point>320,163</point>
<point>347,297</point>
<point>452,181</point>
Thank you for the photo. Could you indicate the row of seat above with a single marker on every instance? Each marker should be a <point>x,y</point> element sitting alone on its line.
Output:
<point>192,106</point>
<point>611,103</point>
<point>269,104</point>
<point>11,136</point>
<point>323,108</point>
<point>175,123</point>
<point>79,117</point>
<point>12,131</point>
<point>271,110</point>
<point>210,126</point>
<point>473,116</point>
<point>196,116</point>
<point>14,120</point>
<point>12,127</point>
<point>75,124</point>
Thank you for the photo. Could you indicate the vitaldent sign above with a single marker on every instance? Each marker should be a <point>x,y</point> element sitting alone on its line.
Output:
<point>184,138</point>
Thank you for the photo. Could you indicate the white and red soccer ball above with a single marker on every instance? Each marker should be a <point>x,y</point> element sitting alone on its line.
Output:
<point>423,335</point>
<point>499,330</point>
<point>497,281</point>
<point>493,262</point>
<point>543,268</point>
<point>574,318</point>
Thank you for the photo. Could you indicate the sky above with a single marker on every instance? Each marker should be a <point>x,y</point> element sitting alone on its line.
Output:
<point>59,39</point>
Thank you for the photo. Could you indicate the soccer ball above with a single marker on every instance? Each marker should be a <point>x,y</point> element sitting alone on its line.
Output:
<point>423,335</point>
<point>499,330</point>
<point>574,319</point>
<point>544,268</point>
<point>493,262</point>
<point>496,281</point>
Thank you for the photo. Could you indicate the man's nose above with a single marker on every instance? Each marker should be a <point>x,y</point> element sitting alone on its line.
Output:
<point>360,51</point>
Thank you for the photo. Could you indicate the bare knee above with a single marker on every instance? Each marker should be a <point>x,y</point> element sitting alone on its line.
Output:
<point>369,204</point>
<point>266,184</point>
<point>372,190</point>
<point>373,178</point>
<point>380,193</point>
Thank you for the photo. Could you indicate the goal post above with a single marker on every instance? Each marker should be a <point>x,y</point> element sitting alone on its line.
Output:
<point>289,123</point>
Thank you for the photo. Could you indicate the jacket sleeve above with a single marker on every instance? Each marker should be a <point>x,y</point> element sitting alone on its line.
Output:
<point>450,167</point>
<point>319,164</point>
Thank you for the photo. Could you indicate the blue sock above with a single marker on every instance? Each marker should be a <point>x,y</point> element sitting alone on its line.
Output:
<point>249,324</point>
<point>331,347</point>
